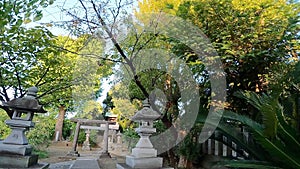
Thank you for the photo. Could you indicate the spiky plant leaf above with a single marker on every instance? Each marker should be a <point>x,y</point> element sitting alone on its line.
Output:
<point>267,106</point>
<point>253,164</point>
<point>288,134</point>
<point>277,149</point>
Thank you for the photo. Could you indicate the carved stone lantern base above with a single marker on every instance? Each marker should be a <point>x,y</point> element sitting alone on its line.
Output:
<point>19,156</point>
<point>15,149</point>
<point>140,162</point>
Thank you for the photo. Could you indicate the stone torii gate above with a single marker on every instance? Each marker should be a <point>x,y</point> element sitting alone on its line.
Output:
<point>80,122</point>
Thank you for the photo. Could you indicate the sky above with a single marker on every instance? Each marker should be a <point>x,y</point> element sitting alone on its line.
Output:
<point>53,13</point>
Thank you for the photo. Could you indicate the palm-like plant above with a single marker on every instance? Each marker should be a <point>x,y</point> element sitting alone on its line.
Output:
<point>276,143</point>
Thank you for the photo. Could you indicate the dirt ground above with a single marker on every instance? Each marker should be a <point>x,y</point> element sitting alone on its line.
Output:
<point>57,152</point>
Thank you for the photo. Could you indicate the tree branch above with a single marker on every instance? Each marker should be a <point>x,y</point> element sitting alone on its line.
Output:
<point>121,52</point>
<point>44,75</point>
<point>91,55</point>
<point>18,77</point>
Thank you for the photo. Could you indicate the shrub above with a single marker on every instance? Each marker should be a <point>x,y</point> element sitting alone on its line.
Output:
<point>40,136</point>
<point>4,129</point>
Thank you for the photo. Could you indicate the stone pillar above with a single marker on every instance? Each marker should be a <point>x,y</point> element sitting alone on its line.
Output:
<point>119,138</point>
<point>86,144</point>
<point>74,152</point>
<point>105,139</point>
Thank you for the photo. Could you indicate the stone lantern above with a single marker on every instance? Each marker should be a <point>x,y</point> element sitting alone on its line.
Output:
<point>144,156</point>
<point>15,150</point>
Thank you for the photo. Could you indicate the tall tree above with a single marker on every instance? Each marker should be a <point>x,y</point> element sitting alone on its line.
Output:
<point>77,81</point>
<point>253,38</point>
<point>56,81</point>
<point>257,40</point>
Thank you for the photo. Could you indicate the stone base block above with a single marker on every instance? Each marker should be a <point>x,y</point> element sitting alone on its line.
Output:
<point>85,163</point>
<point>144,163</point>
<point>73,154</point>
<point>15,149</point>
<point>144,152</point>
<point>17,161</point>
<point>125,166</point>
<point>105,155</point>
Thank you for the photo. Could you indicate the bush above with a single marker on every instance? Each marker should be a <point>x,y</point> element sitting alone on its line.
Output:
<point>68,126</point>
<point>4,129</point>
<point>81,137</point>
<point>40,136</point>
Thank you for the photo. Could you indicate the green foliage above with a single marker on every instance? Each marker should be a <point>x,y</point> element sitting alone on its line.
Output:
<point>269,107</point>
<point>4,129</point>
<point>68,126</point>
<point>41,135</point>
<point>90,110</point>
<point>22,48</point>
<point>41,153</point>
<point>190,147</point>
<point>251,37</point>
<point>123,107</point>
<point>55,81</point>
<point>129,132</point>
<point>108,104</point>
<point>82,137</point>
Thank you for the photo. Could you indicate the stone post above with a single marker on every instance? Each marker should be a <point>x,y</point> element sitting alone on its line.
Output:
<point>119,138</point>
<point>105,139</point>
<point>74,152</point>
<point>86,144</point>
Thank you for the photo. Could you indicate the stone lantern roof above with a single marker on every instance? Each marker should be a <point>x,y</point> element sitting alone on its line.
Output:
<point>146,113</point>
<point>27,103</point>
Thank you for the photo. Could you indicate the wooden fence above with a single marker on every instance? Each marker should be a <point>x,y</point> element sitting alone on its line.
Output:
<point>220,145</point>
<point>217,144</point>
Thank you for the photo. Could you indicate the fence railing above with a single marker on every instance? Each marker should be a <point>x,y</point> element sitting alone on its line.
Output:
<point>220,145</point>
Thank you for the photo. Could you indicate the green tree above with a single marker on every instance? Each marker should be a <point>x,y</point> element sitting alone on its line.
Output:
<point>253,38</point>
<point>256,40</point>
<point>108,104</point>
<point>22,48</point>
<point>90,110</point>
<point>54,78</point>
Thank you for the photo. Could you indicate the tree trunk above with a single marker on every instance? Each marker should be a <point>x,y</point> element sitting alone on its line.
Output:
<point>172,158</point>
<point>185,163</point>
<point>59,124</point>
